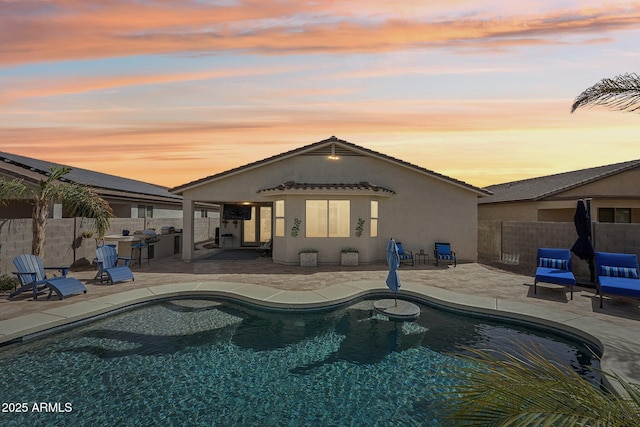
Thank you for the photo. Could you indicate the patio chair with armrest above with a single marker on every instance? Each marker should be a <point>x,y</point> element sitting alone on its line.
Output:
<point>109,266</point>
<point>618,274</point>
<point>406,256</point>
<point>554,266</point>
<point>443,252</point>
<point>32,277</point>
<point>266,248</point>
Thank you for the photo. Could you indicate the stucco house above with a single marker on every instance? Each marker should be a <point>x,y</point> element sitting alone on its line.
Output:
<point>614,191</point>
<point>332,195</point>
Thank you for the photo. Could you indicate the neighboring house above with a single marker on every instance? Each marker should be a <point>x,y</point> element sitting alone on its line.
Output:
<point>127,197</point>
<point>137,206</point>
<point>614,191</point>
<point>332,195</point>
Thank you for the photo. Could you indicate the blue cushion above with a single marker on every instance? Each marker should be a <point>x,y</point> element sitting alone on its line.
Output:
<point>443,249</point>
<point>619,286</point>
<point>555,275</point>
<point>553,263</point>
<point>625,272</point>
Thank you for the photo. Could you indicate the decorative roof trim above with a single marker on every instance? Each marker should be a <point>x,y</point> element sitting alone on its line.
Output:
<point>363,186</point>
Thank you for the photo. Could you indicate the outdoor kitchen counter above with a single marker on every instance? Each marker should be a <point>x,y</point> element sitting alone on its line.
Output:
<point>123,243</point>
<point>166,244</point>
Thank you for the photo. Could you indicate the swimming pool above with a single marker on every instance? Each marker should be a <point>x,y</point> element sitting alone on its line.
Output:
<point>202,362</point>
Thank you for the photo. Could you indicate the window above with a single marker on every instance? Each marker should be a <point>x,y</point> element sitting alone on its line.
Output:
<point>328,218</point>
<point>339,213</point>
<point>618,215</point>
<point>279,218</point>
<point>374,218</point>
<point>265,223</point>
<point>145,211</point>
<point>249,228</point>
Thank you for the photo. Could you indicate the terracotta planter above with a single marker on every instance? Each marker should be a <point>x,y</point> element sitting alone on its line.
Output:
<point>308,259</point>
<point>349,259</point>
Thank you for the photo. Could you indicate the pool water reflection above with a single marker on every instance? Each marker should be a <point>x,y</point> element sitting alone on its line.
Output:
<point>200,362</point>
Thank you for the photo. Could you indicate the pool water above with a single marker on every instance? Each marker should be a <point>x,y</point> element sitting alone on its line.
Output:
<point>200,362</point>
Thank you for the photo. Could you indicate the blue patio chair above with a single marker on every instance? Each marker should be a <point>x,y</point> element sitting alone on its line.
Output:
<point>109,267</point>
<point>554,266</point>
<point>443,252</point>
<point>405,256</point>
<point>618,274</point>
<point>32,277</point>
<point>266,248</point>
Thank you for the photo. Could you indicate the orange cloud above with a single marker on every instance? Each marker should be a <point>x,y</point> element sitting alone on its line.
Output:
<point>493,141</point>
<point>66,30</point>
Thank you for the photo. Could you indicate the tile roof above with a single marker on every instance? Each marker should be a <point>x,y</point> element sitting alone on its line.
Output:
<point>97,180</point>
<point>342,148</point>
<point>291,185</point>
<point>545,186</point>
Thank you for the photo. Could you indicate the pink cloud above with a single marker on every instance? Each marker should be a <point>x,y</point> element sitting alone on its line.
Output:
<point>37,87</point>
<point>62,30</point>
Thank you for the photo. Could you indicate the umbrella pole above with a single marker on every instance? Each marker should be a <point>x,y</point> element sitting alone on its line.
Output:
<point>395,294</point>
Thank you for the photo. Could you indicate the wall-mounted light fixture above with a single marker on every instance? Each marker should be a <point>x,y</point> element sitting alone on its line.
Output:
<point>333,156</point>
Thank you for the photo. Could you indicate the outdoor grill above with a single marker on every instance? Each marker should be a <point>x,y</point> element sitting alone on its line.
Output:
<point>149,236</point>
<point>167,229</point>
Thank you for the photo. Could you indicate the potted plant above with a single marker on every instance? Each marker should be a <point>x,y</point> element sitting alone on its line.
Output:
<point>349,257</point>
<point>87,234</point>
<point>308,258</point>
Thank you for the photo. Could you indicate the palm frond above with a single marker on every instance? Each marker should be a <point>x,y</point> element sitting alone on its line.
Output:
<point>82,201</point>
<point>12,189</point>
<point>79,200</point>
<point>619,93</point>
<point>498,388</point>
<point>49,187</point>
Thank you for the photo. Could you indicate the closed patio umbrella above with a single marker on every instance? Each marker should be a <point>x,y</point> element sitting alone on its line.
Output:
<point>393,259</point>
<point>583,247</point>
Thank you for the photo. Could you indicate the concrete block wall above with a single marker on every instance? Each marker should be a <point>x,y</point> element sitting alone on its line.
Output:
<point>623,238</point>
<point>489,240</point>
<point>63,241</point>
<point>514,244</point>
<point>15,238</point>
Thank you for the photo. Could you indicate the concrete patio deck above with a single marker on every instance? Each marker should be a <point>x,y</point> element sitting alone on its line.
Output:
<point>615,328</point>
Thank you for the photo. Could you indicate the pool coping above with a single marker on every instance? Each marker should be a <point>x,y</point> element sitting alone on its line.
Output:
<point>615,343</point>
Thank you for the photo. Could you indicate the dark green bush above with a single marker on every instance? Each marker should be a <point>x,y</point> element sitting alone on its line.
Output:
<point>7,283</point>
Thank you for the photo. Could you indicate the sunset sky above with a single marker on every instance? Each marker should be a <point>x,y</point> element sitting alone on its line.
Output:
<point>170,91</point>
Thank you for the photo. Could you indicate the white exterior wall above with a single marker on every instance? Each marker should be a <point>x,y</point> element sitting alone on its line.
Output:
<point>425,208</point>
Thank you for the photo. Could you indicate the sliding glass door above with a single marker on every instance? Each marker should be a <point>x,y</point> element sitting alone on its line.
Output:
<point>257,230</point>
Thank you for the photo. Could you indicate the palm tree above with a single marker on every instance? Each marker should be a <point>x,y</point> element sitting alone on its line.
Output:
<point>619,93</point>
<point>78,200</point>
<point>500,389</point>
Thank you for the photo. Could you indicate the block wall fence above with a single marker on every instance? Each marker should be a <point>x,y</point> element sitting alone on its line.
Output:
<point>514,244</point>
<point>63,237</point>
